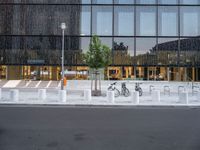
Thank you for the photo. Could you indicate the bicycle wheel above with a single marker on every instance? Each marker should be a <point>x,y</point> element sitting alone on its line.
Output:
<point>117,92</point>
<point>140,91</point>
<point>126,92</point>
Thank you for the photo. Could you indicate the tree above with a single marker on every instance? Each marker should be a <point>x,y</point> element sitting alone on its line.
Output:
<point>98,56</point>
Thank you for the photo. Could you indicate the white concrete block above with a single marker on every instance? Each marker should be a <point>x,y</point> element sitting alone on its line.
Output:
<point>155,96</point>
<point>111,96</point>
<point>135,97</point>
<point>183,97</point>
<point>62,95</point>
<point>87,95</point>
<point>42,94</point>
<point>14,95</point>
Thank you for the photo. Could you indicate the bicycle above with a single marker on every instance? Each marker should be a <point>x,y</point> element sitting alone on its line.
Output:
<point>124,90</point>
<point>113,88</point>
<point>138,88</point>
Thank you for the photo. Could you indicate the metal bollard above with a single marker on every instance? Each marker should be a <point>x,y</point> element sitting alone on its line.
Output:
<point>111,96</point>
<point>42,94</point>
<point>14,95</point>
<point>135,97</point>
<point>62,95</point>
<point>87,95</point>
<point>184,97</point>
<point>155,96</point>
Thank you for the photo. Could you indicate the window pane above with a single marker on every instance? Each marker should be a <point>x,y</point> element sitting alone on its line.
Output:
<point>190,21</point>
<point>146,21</point>
<point>124,21</point>
<point>145,51</point>
<point>167,51</point>
<point>189,51</point>
<point>47,1</point>
<point>123,51</point>
<point>167,1</point>
<point>102,20</point>
<point>85,20</point>
<point>102,1</point>
<point>86,1</point>
<point>124,1</point>
<point>39,19</point>
<point>146,1</point>
<point>189,1</point>
<point>167,18</point>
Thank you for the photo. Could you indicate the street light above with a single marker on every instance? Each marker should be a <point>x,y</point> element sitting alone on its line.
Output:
<point>63,27</point>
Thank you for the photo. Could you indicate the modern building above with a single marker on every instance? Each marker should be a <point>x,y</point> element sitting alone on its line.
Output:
<point>150,39</point>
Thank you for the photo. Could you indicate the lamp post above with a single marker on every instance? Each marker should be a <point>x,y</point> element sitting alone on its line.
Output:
<point>63,27</point>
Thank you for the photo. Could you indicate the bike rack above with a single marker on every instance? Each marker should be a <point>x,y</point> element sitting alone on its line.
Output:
<point>180,88</point>
<point>195,89</point>
<point>166,89</point>
<point>151,88</point>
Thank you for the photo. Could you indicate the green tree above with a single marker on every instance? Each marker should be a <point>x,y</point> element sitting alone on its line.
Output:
<point>98,56</point>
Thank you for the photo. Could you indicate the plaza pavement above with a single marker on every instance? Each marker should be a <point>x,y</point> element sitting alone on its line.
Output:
<point>170,96</point>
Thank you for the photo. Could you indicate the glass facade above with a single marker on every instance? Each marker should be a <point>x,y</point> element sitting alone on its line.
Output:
<point>147,37</point>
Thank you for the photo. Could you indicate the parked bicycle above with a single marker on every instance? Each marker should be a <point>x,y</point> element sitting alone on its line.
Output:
<point>138,88</point>
<point>124,90</point>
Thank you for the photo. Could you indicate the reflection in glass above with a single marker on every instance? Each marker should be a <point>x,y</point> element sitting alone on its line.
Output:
<point>189,51</point>
<point>145,51</point>
<point>124,1</point>
<point>167,51</point>
<point>102,20</point>
<point>167,1</point>
<point>189,1</point>
<point>146,1</point>
<point>123,51</point>
<point>106,41</point>
<point>167,21</point>
<point>86,1</point>
<point>85,20</point>
<point>124,21</point>
<point>102,1</point>
<point>146,21</point>
<point>190,21</point>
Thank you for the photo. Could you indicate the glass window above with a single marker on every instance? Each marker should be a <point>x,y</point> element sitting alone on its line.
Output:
<point>145,51</point>
<point>189,1</point>
<point>106,41</point>
<point>86,1</point>
<point>124,20</point>
<point>189,51</point>
<point>190,21</point>
<point>167,1</point>
<point>102,1</point>
<point>85,42</point>
<point>168,21</point>
<point>124,1</point>
<point>40,19</point>
<point>85,20</point>
<point>102,20</point>
<point>146,21</point>
<point>146,1</point>
<point>123,51</point>
<point>167,51</point>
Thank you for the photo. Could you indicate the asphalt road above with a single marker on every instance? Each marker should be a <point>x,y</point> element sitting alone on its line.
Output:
<point>98,128</point>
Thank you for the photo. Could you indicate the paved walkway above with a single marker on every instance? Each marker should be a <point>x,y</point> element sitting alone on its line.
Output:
<point>28,93</point>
